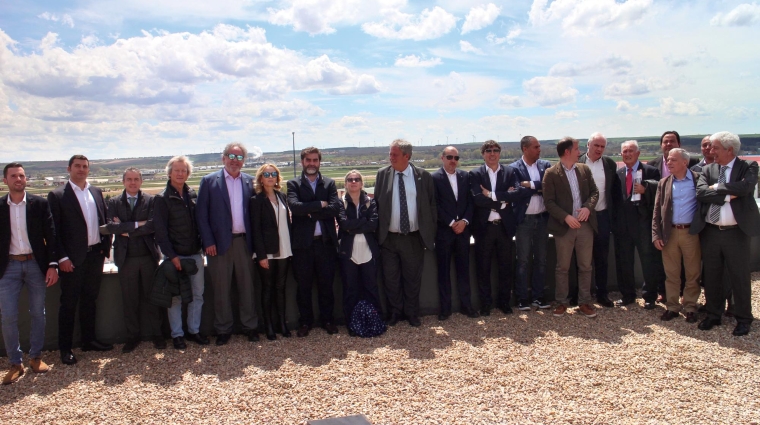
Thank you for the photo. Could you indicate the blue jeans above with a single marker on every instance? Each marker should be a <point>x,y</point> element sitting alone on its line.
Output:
<point>531,238</point>
<point>16,275</point>
<point>195,307</point>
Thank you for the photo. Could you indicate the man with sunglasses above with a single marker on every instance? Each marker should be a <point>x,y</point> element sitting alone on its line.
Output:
<point>222,215</point>
<point>455,209</point>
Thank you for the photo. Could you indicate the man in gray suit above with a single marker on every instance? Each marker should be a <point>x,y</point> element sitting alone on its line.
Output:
<point>130,218</point>
<point>405,197</point>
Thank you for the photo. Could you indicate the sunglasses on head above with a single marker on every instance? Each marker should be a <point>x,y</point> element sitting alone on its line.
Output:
<point>450,157</point>
<point>353,179</point>
<point>233,156</point>
<point>492,151</point>
<point>267,174</point>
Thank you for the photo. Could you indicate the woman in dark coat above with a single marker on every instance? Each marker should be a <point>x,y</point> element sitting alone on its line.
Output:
<point>270,221</point>
<point>359,251</point>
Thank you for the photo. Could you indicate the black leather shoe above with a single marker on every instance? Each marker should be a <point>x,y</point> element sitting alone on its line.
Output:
<point>67,357</point>
<point>198,338</point>
<point>473,314</point>
<point>222,339</point>
<point>650,305</point>
<point>708,324</point>
<point>393,320</point>
<point>485,311</point>
<point>330,328</point>
<point>442,317</point>
<point>253,336</point>
<point>691,317</point>
<point>741,329</point>
<point>351,333</point>
<point>130,345</point>
<point>159,343</point>
<point>624,302</point>
<point>415,321</point>
<point>179,343</point>
<point>605,302</point>
<point>96,345</point>
<point>669,315</point>
<point>303,331</point>
<point>506,309</point>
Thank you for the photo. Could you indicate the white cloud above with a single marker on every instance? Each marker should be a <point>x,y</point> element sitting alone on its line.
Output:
<point>551,91</point>
<point>625,106</point>
<point>466,47</point>
<point>743,113</point>
<point>321,16</point>
<point>428,25</point>
<point>414,61</point>
<point>65,19</point>
<point>743,15</point>
<point>509,38</point>
<point>638,86</point>
<point>510,101</point>
<point>671,107</point>
<point>586,16</point>
<point>353,122</point>
<point>618,65</point>
<point>566,115</point>
<point>480,17</point>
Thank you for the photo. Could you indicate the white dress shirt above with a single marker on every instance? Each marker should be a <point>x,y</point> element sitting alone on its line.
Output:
<point>597,171</point>
<point>492,177</point>
<point>19,237</point>
<point>536,205</point>
<point>90,212</point>
<point>411,201</point>
<point>726,213</point>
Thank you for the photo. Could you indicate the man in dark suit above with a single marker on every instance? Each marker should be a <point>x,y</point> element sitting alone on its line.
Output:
<point>27,257</point>
<point>603,169</point>
<point>633,228</point>
<point>222,215</point>
<point>531,235</point>
<point>78,212</point>
<point>669,140</point>
<point>130,218</point>
<point>494,188</point>
<point>728,219</point>
<point>707,156</point>
<point>407,211</point>
<point>455,207</point>
<point>570,196</point>
<point>314,204</point>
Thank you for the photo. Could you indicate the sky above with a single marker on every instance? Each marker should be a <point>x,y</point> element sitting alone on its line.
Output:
<point>134,78</point>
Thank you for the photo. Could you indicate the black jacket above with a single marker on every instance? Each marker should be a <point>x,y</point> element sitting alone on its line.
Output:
<point>306,207</point>
<point>174,222</point>
<point>506,178</point>
<point>169,282</point>
<point>266,233</point>
<point>118,207</point>
<point>39,229</point>
<point>351,224</point>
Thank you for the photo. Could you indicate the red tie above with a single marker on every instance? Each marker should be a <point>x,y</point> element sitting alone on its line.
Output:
<point>628,183</point>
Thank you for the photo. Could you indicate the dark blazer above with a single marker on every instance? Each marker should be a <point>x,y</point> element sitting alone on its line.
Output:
<point>741,184</point>
<point>39,229</point>
<point>612,191</point>
<point>118,206</point>
<point>657,163</point>
<point>214,214</point>
<point>521,205</point>
<point>426,207</point>
<point>71,228</point>
<point>306,209</point>
<point>662,217</point>
<point>266,232</point>
<point>624,214</point>
<point>451,208</point>
<point>699,166</point>
<point>352,224</point>
<point>506,178</point>
<point>558,198</point>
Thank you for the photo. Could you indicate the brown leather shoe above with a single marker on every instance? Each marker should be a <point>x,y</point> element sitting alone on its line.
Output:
<point>559,310</point>
<point>669,315</point>
<point>38,366</point>
<point>14,373</point>
<point>587,310</point>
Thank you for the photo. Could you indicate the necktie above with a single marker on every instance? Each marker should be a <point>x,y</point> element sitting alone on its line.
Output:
<point>628,183</point>
<point>131,201</point>
<point>713,215</point>
<point>404,218</point>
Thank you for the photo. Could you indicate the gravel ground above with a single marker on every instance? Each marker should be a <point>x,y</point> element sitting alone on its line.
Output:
<point>625,366</point>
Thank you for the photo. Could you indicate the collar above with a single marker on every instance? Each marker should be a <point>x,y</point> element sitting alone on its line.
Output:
<point>75,187</point>
<point>490,171</point>
<point>730,165</point>
<point>229,176</point>
<point>407,172</point>
<point>535,164</point>
<point>635,166</point>
<point>23,201</point>
<point>305,177</point>
<point>450,174</point>
<point>688,176</point>
<point>591,161</point>
<point>568,169</point>
<point>130,196</point>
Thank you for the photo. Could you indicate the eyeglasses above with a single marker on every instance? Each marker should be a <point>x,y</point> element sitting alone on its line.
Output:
<point>450,157</point>
<point>492,151</point>
<point>267,174</point>
<point>353,179</point>
<point>233,157</point>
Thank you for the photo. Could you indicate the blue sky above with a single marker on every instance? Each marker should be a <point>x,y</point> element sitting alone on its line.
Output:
<point>141,78</point>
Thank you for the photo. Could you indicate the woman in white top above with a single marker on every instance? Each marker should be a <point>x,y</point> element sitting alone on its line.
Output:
<point>270,223</point>
<point>359,250</point>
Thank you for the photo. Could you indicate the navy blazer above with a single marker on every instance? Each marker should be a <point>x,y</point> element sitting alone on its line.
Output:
<point>506,179</point>
<point>214,214</point>
<point>521,205</point>
<point>352,224</point>
<point>306,209</point>
<point>451,208</point>
<point>39,230</point>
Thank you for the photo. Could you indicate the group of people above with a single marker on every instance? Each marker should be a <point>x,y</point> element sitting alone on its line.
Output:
<point>690,221</point>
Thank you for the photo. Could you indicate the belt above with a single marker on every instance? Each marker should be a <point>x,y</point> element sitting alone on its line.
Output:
<point>681,226</point>
<point>405,234</point>
<point>496,222</point>
<point>93,247</point>
<point>22,257</point>
<point>318,238</point>
<point>238,235</point>
<point>724,227</point>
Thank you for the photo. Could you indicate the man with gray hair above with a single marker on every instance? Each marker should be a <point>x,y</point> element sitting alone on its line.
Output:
<point>129,216</point>
<point>728,219</point>
<point>405,197</point>
<point>223,223</point>
<point>675,208</point>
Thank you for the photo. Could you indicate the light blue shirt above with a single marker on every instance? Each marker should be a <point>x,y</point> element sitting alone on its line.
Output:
<point>411,201</point>
<point>684,199</point>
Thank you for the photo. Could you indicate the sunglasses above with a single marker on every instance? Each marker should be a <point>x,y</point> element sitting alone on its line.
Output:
<point>450,157</point>
<point>353,180</point>
<point>492,151</point>
<point>233,157</point>
<point>267,174</point>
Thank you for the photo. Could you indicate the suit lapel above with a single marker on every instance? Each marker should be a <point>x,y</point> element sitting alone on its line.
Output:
<point>461,189</point>
<point>71,198</point>
<point>222,181</point>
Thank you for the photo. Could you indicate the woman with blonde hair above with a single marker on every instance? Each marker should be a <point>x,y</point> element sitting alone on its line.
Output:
<point>270,222</point>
